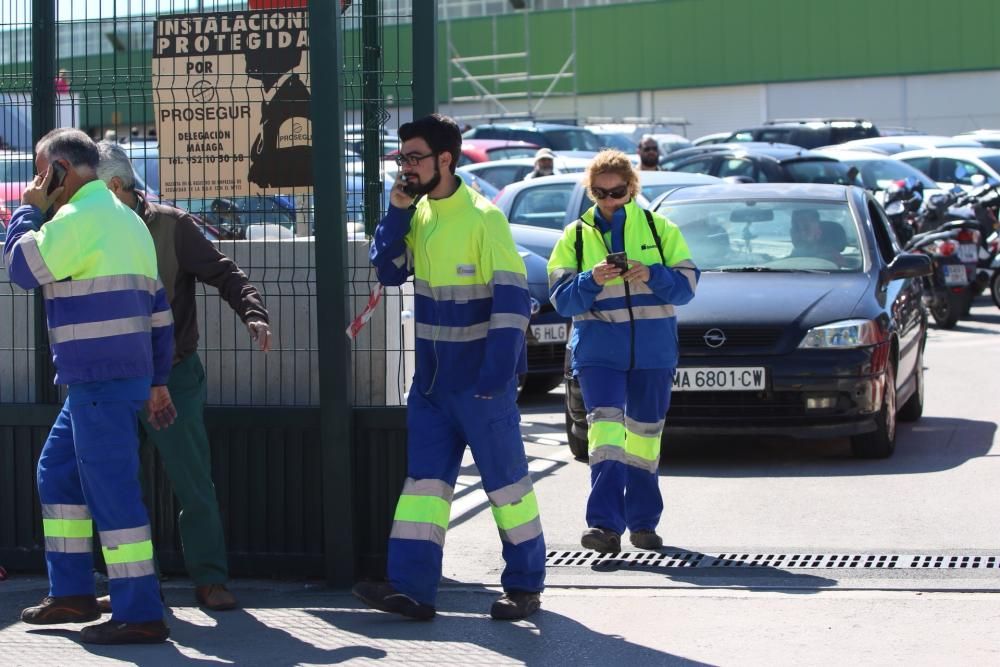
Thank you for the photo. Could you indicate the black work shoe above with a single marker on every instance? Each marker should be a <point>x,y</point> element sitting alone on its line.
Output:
<point>382,596</point>
<point>599,539</point>
<point>62,609</point>
<point>119,632</point>
<point>515,605</point>
<point>645,539</point>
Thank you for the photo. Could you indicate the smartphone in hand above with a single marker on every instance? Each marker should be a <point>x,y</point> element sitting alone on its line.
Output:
<point>618,260</point>
<point>58,176</point>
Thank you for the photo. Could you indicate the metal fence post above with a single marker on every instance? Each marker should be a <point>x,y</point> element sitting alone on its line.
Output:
<point>44,34</point>
<point>372,110</point>
<point>336,430</point>
<point>425,50</point>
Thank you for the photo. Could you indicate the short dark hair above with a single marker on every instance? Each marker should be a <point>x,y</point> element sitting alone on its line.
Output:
<point>70,144</point>
<point>440,132</point>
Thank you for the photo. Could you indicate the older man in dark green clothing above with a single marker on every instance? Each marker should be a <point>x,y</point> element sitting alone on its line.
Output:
<point>184,255</point>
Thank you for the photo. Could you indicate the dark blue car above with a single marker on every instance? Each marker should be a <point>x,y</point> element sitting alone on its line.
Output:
<point>807,322</point>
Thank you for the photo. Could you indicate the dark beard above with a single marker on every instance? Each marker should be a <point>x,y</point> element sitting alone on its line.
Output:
<point>426,188</point>
<point>650,161</point>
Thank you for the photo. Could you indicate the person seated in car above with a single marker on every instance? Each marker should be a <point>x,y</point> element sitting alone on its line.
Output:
<point>809,238</point>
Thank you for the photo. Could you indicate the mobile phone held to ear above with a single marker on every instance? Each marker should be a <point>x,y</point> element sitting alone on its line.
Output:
<point>409,189</point>
<point>619,260</point>
<point>58,176</point>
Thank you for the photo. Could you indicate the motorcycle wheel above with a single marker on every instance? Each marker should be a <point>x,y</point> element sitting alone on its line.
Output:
<point>946,311</point>
<point>995,288</point>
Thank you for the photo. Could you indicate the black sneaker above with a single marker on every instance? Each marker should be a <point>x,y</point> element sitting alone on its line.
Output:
<point>62,609</point>
<point>382,596</point>
<point>645,539</point>
<point>119,632</point>
<point>515,605</point>
<point>599,539</point>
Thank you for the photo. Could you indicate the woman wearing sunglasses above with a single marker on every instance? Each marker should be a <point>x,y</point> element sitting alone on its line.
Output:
<point>619,271</point>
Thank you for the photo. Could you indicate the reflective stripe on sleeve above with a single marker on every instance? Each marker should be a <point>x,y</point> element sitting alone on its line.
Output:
<point>33,259</point>
<point>451,292</point>
<point>508,321</point>
<point>162,318</point>
<point>509,278</point>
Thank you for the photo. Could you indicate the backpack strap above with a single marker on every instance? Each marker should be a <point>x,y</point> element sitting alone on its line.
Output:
<point>656,236</point>
<point>579,245</point>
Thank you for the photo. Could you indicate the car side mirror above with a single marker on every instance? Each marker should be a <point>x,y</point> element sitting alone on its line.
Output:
<point>908,265</point>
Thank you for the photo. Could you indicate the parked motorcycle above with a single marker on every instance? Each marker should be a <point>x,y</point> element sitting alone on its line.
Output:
<point>903,200</point>
<point>947,291</point>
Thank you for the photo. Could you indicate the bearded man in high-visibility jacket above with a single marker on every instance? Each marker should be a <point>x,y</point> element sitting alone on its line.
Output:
<point>472,308</point>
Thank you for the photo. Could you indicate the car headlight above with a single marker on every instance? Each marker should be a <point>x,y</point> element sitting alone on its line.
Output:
<point>846,334</point>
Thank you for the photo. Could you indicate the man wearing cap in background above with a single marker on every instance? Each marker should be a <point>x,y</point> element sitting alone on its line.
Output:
<point>545,162</point>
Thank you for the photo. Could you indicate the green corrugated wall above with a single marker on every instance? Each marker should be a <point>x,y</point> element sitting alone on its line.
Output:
<point>688,43</point>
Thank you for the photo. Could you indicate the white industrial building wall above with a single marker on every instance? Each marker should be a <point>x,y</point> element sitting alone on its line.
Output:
<point>935,103</point>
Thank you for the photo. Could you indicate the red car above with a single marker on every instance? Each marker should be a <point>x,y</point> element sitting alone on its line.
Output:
<point>487,150</point>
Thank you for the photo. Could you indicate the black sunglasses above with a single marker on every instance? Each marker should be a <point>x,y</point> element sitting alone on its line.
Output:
<point>411,159</point>
<point>614,193</point>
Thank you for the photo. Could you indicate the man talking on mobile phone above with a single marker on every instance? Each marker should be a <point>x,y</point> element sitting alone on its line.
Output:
<point>472,308</point>
<point>111,333</point>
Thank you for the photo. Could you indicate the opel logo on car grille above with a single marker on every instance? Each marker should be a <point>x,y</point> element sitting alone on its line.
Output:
<point>535,306</point>
<point>714,338</point>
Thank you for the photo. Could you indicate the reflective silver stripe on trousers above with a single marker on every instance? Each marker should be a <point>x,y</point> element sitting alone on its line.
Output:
<point>33,258</point>
<point>451,292</point>
<point>58,511</point>
<point>453,334</point>
<point>89,330</point>
<point>522,533</point>
<point>607,453</point>
<point>508,321</point>
<point>509,278</point>
<point>70,288</point>
<point>512,493</point>
<point>125,570</point>
<point>428,487</point>
<point>621,315</point>
<point>605,414</point>
<point>411,530</point>
<point>645,429</point>
<point>111,539</point>
<point>69,545</point>
<point>162,318</point>
<point>641,463</point>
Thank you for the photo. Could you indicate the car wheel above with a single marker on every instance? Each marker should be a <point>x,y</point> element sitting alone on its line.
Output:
<point>576,432</point>
<point>913,409</point>
<point>995,288</point>
<point>881,442</point>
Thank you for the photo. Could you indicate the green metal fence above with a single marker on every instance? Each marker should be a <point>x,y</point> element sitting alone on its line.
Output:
<point>308,441</point>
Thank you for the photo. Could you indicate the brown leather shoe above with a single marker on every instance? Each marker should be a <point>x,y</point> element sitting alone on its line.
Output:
<point>215,597</point>
<point>62,609</point>
<point>104,604</point>
<point>118,632</point>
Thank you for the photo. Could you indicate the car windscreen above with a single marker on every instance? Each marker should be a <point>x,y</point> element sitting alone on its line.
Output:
<point>879,174</point>
<point>573,140</point>
<point>993,161</point>
<point>617,140</point>
<point>818,171</point>
<point>768,235</point>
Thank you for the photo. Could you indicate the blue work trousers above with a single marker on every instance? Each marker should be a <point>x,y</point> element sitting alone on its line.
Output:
<point>625,411</point>
<point>88,470</point>
<point>440,425</point>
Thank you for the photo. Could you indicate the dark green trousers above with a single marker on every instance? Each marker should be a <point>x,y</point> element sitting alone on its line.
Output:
<point>184,450</point>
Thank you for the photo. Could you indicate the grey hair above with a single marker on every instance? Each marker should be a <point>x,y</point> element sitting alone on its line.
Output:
<point>114,162</point>
<point>70,144</point>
